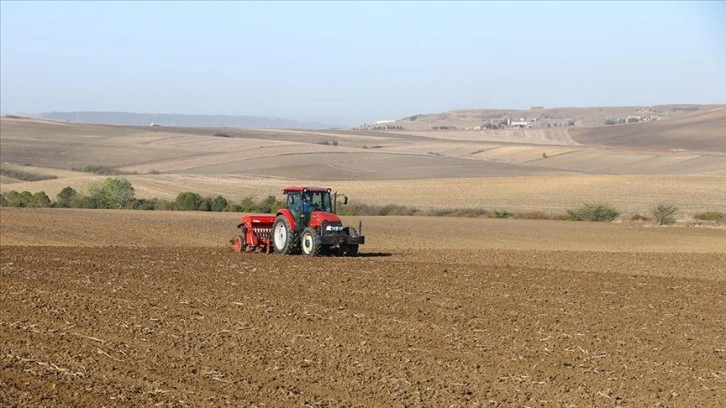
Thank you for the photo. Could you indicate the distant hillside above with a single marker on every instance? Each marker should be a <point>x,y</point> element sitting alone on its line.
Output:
<point>703,131</point>
<point>539,117</point>
<point>145,119</point>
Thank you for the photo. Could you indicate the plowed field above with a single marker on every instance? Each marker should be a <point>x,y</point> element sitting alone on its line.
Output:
<point>123,308</point>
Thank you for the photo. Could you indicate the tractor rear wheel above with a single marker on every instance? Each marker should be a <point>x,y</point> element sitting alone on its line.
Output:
<point>307,242</point>
<point>284,239</point>
<point>239,244</point>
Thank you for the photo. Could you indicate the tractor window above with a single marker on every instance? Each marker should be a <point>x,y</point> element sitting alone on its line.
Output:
<point>320,201</point>
<point>327,206</point>
<point>293,200</point>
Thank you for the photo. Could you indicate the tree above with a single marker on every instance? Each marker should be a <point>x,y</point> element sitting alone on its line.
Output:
<point>204,205</point>
<point>39,200</point>
<point>188,201</point>
<point>65,198</point>
<point>219,203</point>
<point>16,199</point>
<point>270,205</point>
<point>112,193</point>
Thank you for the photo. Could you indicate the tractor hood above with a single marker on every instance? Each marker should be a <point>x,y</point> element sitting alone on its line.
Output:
<point>318,217</point>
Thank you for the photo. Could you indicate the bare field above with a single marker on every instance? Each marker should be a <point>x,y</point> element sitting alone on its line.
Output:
<point>609,161</point>
<point>355,154</point>
<point>120,308</point>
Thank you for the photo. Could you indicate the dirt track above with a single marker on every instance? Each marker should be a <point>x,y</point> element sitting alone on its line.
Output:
<point>91,324</point>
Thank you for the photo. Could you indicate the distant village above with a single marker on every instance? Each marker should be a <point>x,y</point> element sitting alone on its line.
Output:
<point>503,123</point>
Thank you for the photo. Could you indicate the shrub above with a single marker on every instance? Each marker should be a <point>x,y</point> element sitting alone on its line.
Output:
<point>329,142</point>
<point>81,201</point>
<point>665,214</point>
<point>165,205</point>
<point>104,170</point>
<point>537,215</point>
<point>502,214</point>
<point>711,216</point>
<point>234,208</point>
<point>25,176</point>
<point>247,205</point>
<point>378,210</point>
<point>469,212</point>
<point>143,204</point>
<point>638,217</point>
<point>593,212</point>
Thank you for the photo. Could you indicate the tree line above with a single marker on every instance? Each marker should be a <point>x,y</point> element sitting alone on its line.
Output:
<point>118,193</point>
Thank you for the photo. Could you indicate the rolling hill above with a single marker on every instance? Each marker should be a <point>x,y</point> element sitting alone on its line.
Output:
<point>632,166</point>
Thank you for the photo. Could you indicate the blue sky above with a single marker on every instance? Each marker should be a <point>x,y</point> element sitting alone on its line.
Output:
<point>355,62</point>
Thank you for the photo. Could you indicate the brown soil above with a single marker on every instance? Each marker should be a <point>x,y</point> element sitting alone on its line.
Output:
<point>119,317</point>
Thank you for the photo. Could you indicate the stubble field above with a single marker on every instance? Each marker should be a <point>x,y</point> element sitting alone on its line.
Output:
<point>124,308</point>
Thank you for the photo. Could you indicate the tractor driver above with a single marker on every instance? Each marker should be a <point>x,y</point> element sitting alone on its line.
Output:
<point>305,209</point>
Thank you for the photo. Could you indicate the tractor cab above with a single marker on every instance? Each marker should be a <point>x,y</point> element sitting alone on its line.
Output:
<point>303,201</point>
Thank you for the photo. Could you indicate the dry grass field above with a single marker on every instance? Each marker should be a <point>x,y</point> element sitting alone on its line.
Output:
<point>153,308</point>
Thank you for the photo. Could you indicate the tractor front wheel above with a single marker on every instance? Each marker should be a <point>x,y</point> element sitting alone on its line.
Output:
<point>284,240</point>
<point>307,243</point>
<point>349,249</point>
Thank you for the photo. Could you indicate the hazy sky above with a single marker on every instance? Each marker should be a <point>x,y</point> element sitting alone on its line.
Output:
<point>355,62</point>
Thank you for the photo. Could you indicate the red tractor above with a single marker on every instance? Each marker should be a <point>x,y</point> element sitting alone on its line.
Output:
<point>307,224</point>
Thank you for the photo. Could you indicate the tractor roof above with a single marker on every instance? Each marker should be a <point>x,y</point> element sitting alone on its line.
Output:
<point>296,189</point>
